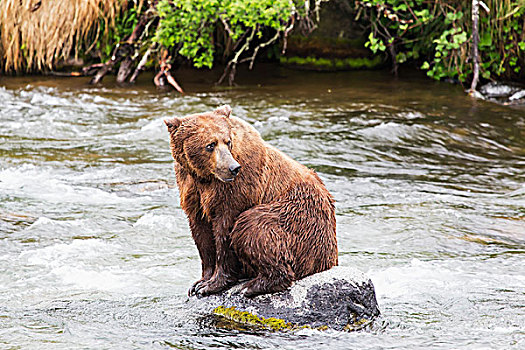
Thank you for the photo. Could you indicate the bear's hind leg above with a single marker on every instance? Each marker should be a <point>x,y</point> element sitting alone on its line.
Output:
<point>263,247</point>
<point>267,283</point>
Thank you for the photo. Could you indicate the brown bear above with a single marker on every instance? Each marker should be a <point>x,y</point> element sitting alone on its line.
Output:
<point>253,211</point>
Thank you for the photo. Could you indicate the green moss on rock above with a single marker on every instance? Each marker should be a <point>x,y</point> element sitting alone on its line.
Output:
<point>357,324</point>
<point>247,318</point>
<point>333,63</point>
<point>276,324</point>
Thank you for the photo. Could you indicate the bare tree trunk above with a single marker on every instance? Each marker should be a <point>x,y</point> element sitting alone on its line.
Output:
<point>126,67</point>
<point>120,52</point>
<point>395,65</point>
<point>140,66</point>
<point>106,67</point>
<point>475,45</point>
<point>124,52</point>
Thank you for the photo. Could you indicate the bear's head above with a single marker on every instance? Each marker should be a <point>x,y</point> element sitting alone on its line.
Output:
<point>202,144</point>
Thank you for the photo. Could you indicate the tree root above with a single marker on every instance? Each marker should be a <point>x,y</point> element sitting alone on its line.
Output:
<point>164,73</point>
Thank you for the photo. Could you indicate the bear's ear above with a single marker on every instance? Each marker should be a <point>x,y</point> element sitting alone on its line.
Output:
<point>224,110</point>
<point>172,124</point>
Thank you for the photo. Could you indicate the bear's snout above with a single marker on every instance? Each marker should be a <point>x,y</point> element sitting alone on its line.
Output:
<point>227,167</point>
<point>234,168</point>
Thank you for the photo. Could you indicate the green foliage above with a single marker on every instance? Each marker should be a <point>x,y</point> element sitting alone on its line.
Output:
<point>438,34</point>
<point>375,44</point>
<point>189,25</point>
<point>118,31</point>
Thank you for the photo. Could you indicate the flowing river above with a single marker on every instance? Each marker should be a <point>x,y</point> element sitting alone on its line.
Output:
<point>95,252</point>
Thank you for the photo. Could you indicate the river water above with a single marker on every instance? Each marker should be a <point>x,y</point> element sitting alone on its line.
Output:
<point>95,252</point>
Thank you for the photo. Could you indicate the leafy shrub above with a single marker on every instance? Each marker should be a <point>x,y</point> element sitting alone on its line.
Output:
<point>438,34</point>
<point>189,25</point>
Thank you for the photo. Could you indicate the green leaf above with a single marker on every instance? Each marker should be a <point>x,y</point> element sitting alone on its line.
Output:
<point>486,40</point>
<point>401,7</point>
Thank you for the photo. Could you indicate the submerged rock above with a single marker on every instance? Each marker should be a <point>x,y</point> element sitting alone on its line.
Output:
<point>496,90</point>
<point>340,298</point>
<point>520,95</point>
<point>504,93</point>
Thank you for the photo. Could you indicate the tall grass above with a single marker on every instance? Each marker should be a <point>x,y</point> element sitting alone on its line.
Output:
<point>34,34</point>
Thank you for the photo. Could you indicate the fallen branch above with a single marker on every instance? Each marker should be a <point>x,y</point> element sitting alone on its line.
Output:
<point>260,46</point>
<point>108,66</point>
<point>141,65</point>
<point>286,32</point>
<point>164,72</point>
<point>92,69</point>
<point>66,74</point>
<point>127,65</point>
<point>125,52</point>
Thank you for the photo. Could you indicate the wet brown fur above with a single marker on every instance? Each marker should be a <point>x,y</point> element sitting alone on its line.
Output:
<point>274,223</point>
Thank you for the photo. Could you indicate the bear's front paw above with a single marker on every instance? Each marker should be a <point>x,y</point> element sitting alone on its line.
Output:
<point>195,287</point>
<point>202,291</point>
<point>213,286</point>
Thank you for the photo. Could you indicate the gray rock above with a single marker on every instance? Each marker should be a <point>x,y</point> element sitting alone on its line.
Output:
<point>496,90</point>
<point>340,298</point>
<point>504,93</point>
<point>517,95</point>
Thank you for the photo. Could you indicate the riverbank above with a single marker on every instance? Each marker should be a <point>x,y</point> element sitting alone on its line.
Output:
<point>127,37</point>
<point>511,94</point>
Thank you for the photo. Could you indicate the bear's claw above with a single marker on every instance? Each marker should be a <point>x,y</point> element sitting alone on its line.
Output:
<point>194,287</point>
<point>213,286</point>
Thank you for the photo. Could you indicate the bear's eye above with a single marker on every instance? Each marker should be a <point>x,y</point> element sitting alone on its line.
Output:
<point>229,144</point>
<point>211,147</point>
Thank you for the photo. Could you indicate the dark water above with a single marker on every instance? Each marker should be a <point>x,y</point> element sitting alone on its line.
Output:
<point>95,252</point>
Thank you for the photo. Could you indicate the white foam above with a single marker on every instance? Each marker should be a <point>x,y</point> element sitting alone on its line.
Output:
<point>99,99</point>
<point>43,184</point>
<point>413,115</point>
<point>153,130</point>
<point>81,264</point>
<point>418,277</point>
<point>389,131</point>
<point>42,221</point>
<point>63,253</point>
<point>278,119</point>
<point>48,100</point>
<point>166,223</point>
<point>50,230</point>
<point>91,279</point>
